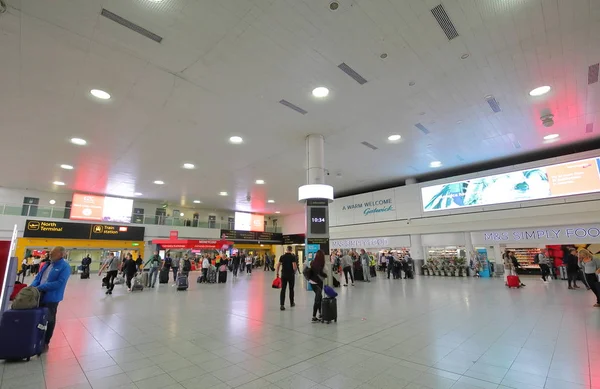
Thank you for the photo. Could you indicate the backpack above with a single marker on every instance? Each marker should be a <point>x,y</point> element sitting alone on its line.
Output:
<point>28,298</point>
<point>307,272</point>
<point>187,265</point>
<point>536,259</point>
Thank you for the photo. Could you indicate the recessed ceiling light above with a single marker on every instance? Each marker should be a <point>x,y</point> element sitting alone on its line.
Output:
<point>464,56</point>
<point>189,166</point>
<point>137,194</point>
<point>78,141</point>
<point>551,136</point>
<point>270,201</point>
<point>542,90</point>
<point>223,193</point>
<point>58,183</point>
<point>52,202</point>
<point>383,55</point>
<point>181,214</point>
<point>159,182</point>
<point>278,212</point>
<point>197,201</point>
<point>66,167</point>
<point>260,182</point>
<point>320,92</point>
<point>394,138</point>
<point>334,5</point>
<point>236,140</point>
<point>435,164</point>
<point>102,95</point>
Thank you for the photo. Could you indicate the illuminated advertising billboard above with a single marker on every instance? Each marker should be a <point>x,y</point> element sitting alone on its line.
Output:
<point>101,208</point>
<point>249,222</point>
<point>565,179</point>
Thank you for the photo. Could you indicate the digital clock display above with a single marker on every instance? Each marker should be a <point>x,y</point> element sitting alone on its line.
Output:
<point>318,222</point>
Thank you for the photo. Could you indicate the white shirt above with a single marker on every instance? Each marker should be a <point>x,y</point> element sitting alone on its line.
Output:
<point>205,263</point>
<point>248,260</point>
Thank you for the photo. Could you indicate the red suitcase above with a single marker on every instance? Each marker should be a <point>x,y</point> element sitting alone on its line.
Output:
<point>513,281</point>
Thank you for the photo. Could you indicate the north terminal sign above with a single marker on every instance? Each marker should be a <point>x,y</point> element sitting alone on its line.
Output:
<point>65,230</point>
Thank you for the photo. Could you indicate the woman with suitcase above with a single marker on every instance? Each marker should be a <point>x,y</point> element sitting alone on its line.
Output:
<point>316,281</point>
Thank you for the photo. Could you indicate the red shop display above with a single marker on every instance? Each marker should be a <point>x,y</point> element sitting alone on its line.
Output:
<point>191,244</point>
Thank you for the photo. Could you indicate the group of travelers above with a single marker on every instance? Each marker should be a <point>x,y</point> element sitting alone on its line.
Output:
<point>363,266</point>
<point>31,265</point>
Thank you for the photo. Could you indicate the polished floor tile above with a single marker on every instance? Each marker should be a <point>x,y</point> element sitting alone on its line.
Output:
<point>427,333</point>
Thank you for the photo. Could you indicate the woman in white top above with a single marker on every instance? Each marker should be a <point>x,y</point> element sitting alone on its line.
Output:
<point>205,266</point>
<point>249,265</point>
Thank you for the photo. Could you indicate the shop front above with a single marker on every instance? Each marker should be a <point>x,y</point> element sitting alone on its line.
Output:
<point>80,240</point>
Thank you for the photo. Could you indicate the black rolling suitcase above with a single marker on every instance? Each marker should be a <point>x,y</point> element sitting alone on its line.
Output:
<point>163,276</point>
<point>85,273</point>
<point>182,282</point>
<point>358,274</point>
<point>329,310</point>
<point>222,277</point>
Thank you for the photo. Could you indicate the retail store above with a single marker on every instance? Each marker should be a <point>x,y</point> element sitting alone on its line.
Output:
<point>80,240</point>
<point>376,247</point>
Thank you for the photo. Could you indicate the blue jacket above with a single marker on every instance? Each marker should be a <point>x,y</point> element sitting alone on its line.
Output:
<point>54,287</point>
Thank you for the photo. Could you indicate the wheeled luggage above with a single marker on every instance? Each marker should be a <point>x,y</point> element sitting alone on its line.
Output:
<point>222,277</point>
<point>358,274</point>
<point>329,310</point>
<point>199,279</point>
<point>212,275</point>
<point>513,281</point>
<point>182,283</point>
<point>138,282</point>
<point>119,280</point>
<point>22,333</point>
<point>336,283</point>
<point>372,271</point>
<point>145,279</point>
<point>85,273</point>
<point>163,276</point>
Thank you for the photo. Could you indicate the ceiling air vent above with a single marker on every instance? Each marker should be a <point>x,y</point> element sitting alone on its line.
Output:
<point>593,73</point>
<point>130,25</point>
<point>293,106</point>
<point>461,159</point>
<point>369,145</point>
<point>439,13</point>
<point>352,73</point>
<point>423,129</point>
<point>494,105</point>
<point>589,128</point>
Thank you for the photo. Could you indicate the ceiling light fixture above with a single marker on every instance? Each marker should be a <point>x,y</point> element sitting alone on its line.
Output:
<point>551,136</point>
<point>394,138</point>
<point>260,182</point>
<point>100,94</point>
<point>270,201</point>
<point>334,5</point>
<point>435,164</point>
<point>66,167</point>
<point>137,194</point>
<point>189,166</point>
<point>320,92</point>
<point>197,202</point>
<point>159,182</point>
<point>277,212</point>
<point>542,90</point>
<point>383,55</point>
<point>236,140</point>
<point>181,214</point>
<point>52,202</point>
<point>58,183</point>
<point>78,141</point>
<point>223,193</point>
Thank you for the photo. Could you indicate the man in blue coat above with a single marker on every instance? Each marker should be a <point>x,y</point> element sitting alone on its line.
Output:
<point>51,281</point>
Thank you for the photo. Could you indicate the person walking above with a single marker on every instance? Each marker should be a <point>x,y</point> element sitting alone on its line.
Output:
<point>364,261</point>
<point>51,281</point>
<point>572,264</point>
<point>544,261</point>
<point>235,264</point>
<point>315,279</point>
<point>591,268</point>
<point>129,268</point>
<point>154,262</point>
<point>112,266</point>
<point>205,266</point>
<point>175,268</point>
<point>347,267</point>
<point>288,264</point>
<point>249,265</point>
<point>267,263</point>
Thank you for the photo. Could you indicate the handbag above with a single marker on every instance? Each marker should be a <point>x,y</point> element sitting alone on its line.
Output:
<point>276,283</point>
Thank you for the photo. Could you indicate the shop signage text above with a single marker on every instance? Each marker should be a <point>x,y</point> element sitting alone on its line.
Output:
<point>64,230</point>
<point>371,207</point>
<point>368,243</point>
<point>544,234</point>
<point>252,236</point>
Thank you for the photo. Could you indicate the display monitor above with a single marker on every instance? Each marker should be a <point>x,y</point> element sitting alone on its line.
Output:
<point>564,179</point>
<point>101,208</point>
<point>249,222</point>
<point>318,221</point>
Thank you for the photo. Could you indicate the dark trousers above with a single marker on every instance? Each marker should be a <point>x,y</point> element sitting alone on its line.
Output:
<point>128,278</point>
<point>348,270</point>
<point>572,276</point>
<point>592,281</point>
<point>545,270</point>
<point>318,298</point>
<point>175,271</point>
<point>267,267</point>
<point>52,310</point>
<point>249,269</point>
<point>390,269</point>
<point>110,279</point>
<point>285,281</point>
<point>204,275</point>
<point>235,269</point>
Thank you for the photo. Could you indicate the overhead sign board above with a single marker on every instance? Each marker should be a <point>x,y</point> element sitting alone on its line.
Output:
<point>66,230</point>
<point>585,233</point>
<point>252,236</point>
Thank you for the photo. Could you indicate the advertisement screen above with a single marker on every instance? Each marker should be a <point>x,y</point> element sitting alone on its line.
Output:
<point>249,222</point>
<point>101,208</point>
<point>318,223</point>
<point>565,179</point>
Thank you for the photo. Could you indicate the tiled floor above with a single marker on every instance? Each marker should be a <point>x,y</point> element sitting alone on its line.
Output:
<point>426,333</point>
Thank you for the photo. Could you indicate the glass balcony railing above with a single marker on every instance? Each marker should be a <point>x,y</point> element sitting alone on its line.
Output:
<point>37,211</point>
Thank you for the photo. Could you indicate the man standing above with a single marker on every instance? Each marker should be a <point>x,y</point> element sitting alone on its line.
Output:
<point>175,267</point>
<point>51,281</point>
<point>543,261</point>
<point>288,263</point>
<point>571,262</point>
<point>155,261</point>
<point>267,262</point>
<point>364,260</point>
<point>235,263</point>
<point>112,266</point>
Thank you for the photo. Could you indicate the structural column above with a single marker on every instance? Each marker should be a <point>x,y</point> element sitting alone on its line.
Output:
<point>315,159</point>
<point>469,251</point>
<point>417,253</point>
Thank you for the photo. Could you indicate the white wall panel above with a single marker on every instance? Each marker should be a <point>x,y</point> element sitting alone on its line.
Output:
<point>294,224</point>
